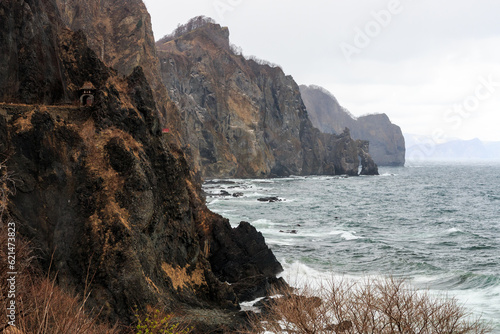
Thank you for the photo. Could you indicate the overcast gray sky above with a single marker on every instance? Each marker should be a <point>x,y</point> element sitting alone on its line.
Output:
<point>432,66</point>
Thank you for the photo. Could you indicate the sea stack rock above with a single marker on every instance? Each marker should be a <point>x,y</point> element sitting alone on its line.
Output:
<point>368,166</point>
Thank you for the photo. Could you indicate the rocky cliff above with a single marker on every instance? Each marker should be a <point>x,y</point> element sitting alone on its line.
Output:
<point>244,118</point>
<point>387,145</point>
<point>120,33</point>
<point>101,192</point>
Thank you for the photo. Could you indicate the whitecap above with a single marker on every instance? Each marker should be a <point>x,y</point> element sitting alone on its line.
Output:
<point>454,230</point>
<point>257,194</point>
<point>345,235</point>
<point>274,242</point>
<point>262,223</point>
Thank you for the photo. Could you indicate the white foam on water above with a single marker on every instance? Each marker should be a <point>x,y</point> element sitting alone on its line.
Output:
<point>275,242</point>
<point>476,299</point>
<point>263,223</point>
<point>248,306</point>
<point>346,235</point>
<point>268,181</point>
<point>300,275</point>
<point>453,230</point>
<point>257,194</point>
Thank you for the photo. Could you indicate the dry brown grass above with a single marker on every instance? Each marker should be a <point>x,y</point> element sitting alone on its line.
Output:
<point>42,307</point>
<point>373,306</point>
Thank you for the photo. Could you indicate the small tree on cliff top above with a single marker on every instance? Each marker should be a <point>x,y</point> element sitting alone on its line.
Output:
<point>193,24</point>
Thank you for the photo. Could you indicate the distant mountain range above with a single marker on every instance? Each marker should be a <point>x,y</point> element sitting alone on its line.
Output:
<point>424,148</point>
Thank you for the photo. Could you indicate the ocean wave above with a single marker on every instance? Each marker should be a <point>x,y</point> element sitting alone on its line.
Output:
<point>263,223</point>
<point>454,230</point>
<point>436,223</point>
<point>464,281</point>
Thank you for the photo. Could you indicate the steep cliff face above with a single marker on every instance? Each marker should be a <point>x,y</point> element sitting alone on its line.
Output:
<point>22,77</point>
<point>243,119</point>
<point>100,191</point>
<point>120,33</point>
<point>387,146</point>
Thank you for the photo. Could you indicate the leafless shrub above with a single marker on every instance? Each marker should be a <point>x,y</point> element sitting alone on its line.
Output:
<point>237,50</point>
<point>263,62</point>
<point>372,306</point>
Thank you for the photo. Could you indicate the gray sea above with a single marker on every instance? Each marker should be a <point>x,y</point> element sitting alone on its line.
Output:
<point>435,224</point>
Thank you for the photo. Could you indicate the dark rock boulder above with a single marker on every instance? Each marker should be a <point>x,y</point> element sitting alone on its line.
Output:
<point>241,257</point>
<point>269,199</point>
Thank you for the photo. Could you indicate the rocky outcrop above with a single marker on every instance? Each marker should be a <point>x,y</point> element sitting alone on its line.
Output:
<point>387,145</point>
<point>250,267</point>
<point>244,118</point>
<point>101,192</point>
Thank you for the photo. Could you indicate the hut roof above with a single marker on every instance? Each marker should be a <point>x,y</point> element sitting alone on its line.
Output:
<point>88,86</point>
